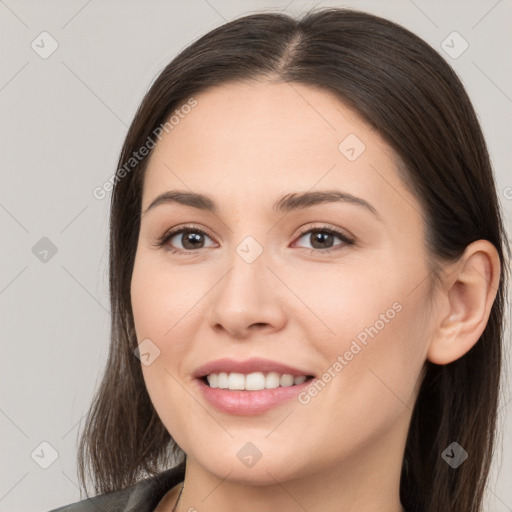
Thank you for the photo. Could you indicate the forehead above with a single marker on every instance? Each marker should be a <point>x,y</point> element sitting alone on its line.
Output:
<point>282,115</point>
<point>257,140</point>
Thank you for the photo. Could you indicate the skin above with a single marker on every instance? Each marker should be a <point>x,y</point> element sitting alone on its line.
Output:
<point>246,145</point>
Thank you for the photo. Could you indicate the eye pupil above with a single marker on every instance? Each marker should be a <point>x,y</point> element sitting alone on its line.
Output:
<point>191,237</point>
<point>322,237</point>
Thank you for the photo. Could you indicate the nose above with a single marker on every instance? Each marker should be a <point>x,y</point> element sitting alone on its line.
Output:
<point>247,299</point>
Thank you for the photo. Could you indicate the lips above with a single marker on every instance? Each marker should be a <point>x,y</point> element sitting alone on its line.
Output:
<point>248,366</point>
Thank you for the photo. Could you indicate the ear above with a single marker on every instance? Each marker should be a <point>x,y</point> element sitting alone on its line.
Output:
<point>467,296</point>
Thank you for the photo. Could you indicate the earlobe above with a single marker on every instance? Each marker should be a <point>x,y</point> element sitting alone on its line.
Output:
<point>470,290</point>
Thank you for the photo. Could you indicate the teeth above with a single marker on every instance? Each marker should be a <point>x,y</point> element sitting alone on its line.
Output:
<point>299,380</point>
<point>236,381</point>
<point>222,381</point>
<point>253,381</point>
<point>272,380</point>
<point>286,380</point>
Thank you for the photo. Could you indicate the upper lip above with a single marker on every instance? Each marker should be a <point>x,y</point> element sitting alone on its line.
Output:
<point>252,365</point>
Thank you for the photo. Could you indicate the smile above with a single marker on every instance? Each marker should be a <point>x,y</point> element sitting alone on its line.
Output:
<point>253,381</point>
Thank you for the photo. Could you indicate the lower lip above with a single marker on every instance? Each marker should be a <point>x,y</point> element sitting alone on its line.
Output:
<point>246,403</point>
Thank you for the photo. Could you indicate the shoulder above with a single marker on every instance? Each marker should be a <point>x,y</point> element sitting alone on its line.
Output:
<point>141,497</point>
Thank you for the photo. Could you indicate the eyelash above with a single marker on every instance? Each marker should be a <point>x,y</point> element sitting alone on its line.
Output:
<point>162,241</point>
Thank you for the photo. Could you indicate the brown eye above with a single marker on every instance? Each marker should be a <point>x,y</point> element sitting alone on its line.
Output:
<point>185,239</point>
<point>190,240</point>
<point>322,239</point>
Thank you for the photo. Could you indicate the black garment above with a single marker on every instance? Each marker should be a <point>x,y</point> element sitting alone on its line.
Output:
<point>143,496</point>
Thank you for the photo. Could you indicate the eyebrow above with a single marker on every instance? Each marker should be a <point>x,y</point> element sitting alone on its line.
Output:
<point>287,203</point>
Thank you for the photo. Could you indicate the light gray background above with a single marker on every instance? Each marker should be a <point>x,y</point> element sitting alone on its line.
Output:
<point>63,120</point>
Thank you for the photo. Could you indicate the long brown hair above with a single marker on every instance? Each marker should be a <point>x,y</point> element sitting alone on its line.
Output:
<point>412,97</point>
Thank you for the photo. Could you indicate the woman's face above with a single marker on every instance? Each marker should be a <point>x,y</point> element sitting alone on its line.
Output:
<point>252,279</point>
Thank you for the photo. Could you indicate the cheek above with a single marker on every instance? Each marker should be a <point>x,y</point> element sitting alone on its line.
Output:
<point>345,303</point>
<point>160,298</point>
<point>163,310</point>
<point>381,358</point>
<point>377,338</point>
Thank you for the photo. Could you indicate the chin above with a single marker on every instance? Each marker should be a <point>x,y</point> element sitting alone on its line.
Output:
<point>264,471</point>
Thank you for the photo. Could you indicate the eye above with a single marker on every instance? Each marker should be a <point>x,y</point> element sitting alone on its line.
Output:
<point>322,237</point>
<point>190,238</point>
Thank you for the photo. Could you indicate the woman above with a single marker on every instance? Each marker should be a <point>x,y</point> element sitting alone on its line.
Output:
<point>248,371</point>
